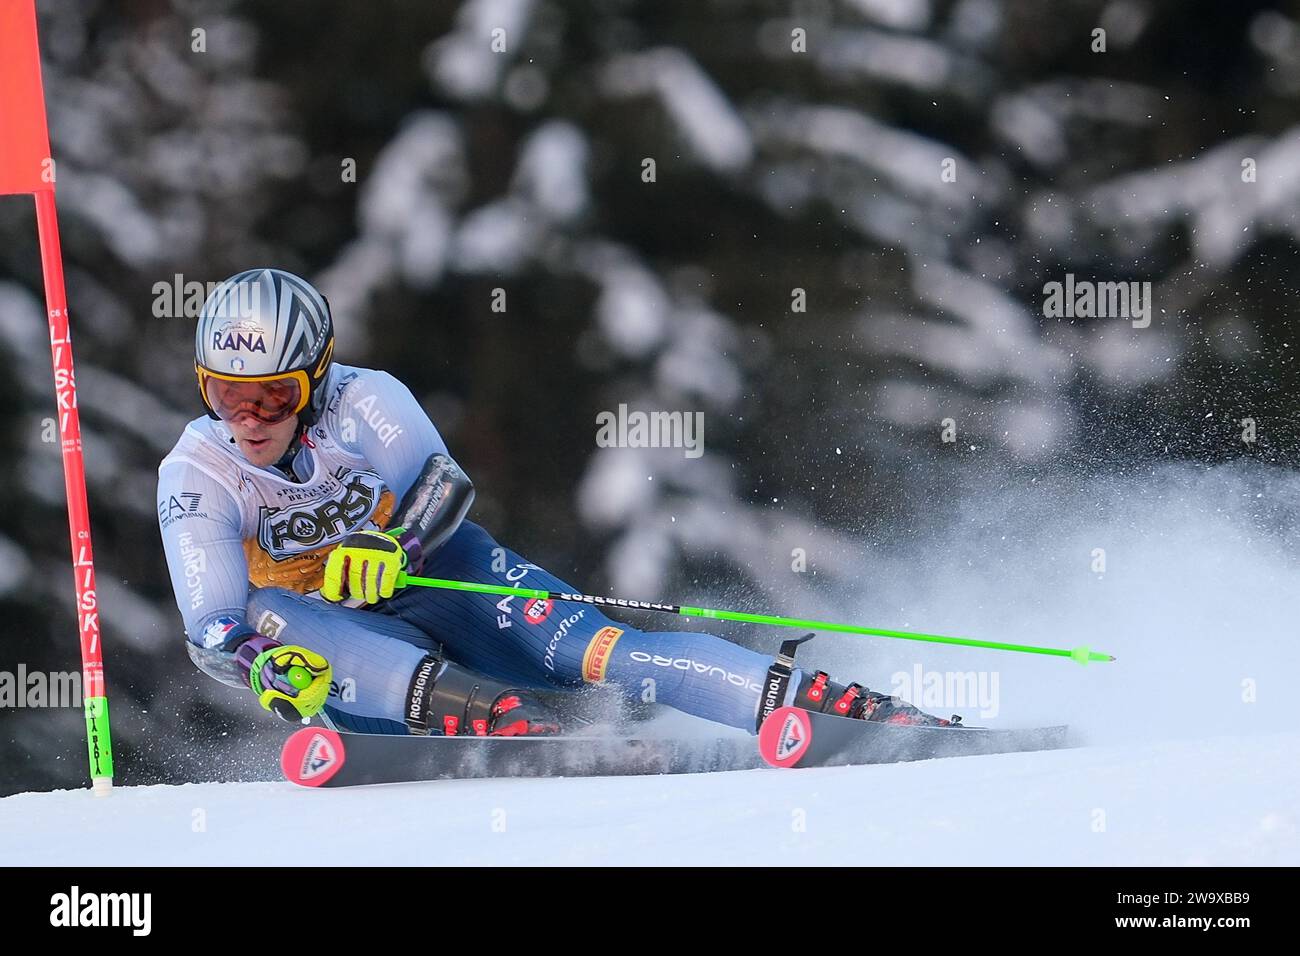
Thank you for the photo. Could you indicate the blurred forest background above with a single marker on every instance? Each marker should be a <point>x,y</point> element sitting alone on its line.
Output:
<point>777,168</point>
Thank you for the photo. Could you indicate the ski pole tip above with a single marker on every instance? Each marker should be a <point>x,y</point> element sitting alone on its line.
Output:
<point>1084,655</point>
<point>101,786</point>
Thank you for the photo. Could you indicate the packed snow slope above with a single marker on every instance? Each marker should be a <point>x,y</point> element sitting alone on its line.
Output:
<point>1190,754</point>
<point>1219,800</point>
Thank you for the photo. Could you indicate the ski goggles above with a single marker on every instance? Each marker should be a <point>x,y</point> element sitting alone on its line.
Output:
<point>268,398</point>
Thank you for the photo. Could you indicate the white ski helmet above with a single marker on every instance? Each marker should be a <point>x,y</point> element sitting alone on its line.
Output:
<point>263,347</point>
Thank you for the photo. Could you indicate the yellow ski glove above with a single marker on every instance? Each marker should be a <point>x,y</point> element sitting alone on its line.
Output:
<point>290,681</point>
<point>364,565</point>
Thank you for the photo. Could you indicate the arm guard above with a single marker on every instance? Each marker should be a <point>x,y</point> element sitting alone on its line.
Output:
<point>432,509</point>
<point>216,650</point>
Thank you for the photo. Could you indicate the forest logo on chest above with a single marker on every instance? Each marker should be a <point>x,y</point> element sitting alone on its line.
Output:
<point>343,506</point>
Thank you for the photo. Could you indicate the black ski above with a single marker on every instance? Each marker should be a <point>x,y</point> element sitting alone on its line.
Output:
<point>316,757</point>
<point>792,737</point>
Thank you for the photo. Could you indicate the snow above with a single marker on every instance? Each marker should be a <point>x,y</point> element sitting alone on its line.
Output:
<point>14,566</point>
<point>697,108</point>
<point>1206,193</point>
<point>464,63</point>
<point>1188,754</point>
<point>496,239</point>
<point>899,14</point>
<point>909,61</point>
<point>1217,800</point>
<point>633,309</point>
<point>552,171</point>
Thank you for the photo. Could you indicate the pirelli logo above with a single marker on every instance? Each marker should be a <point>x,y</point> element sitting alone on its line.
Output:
<point>596,658</point>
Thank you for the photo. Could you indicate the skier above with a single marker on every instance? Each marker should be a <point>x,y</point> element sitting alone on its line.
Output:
<point>316,483</point>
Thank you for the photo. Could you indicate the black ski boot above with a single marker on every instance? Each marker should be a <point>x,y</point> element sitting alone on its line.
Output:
<point>445,697</point>
<point>818,692</point>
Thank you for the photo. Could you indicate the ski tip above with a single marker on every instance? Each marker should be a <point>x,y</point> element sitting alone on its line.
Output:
<point>784,737</point>
<point>312,756</point>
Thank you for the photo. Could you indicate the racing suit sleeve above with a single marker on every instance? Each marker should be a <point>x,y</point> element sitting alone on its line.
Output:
<point>200,525</point>
<point>391,431</point>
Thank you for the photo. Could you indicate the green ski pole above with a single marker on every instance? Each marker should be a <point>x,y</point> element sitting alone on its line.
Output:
<point>1082,655</point>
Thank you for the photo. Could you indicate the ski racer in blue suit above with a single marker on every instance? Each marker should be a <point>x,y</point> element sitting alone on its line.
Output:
<point>288,511</point>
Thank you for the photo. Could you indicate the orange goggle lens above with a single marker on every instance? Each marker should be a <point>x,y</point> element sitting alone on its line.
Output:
<point>269,400</point>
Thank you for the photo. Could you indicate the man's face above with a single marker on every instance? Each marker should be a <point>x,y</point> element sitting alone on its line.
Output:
<point>262,444</point>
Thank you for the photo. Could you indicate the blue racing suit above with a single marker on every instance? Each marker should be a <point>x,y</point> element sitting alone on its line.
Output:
<point>246,547</point>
